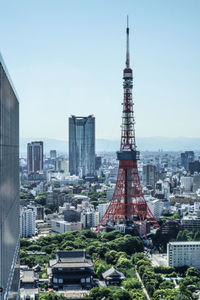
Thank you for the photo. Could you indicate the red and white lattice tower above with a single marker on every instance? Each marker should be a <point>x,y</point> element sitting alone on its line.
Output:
<point>128,204</point>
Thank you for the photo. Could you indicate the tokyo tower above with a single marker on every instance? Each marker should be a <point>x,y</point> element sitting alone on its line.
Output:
<point>128,205</point>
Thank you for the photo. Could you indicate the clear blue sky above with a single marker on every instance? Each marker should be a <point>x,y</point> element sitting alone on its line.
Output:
<point>66,57</point>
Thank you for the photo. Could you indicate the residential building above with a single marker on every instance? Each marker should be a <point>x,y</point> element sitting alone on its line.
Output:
<point>27,222</point>
<point>156,207</point>
<point>72,269</point>
<point>35,157</point>
<point>89,218</point>
<point>9,187</point>
<point>183,254</point>
<point>82,146</point>
<point>102,209</point>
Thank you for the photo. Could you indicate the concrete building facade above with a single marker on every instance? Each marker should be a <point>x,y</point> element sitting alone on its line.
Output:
<point>60,226</point>
<point>183,254</point>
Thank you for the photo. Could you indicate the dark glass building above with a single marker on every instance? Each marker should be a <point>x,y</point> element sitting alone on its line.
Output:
<point>9,187</point>
<point>186,158</point>
<point>82,146</point>
<point>35,157</point>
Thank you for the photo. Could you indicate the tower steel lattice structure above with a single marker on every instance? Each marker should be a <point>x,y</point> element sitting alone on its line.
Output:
<point>128,205</point>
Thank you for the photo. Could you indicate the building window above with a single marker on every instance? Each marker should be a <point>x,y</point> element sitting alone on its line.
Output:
<point>55,280</point>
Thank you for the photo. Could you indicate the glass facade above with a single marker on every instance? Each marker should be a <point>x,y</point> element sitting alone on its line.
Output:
<point>9,187</point>
<point>82,146</point>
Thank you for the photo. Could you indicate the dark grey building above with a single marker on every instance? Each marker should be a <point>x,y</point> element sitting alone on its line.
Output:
<point>82,146</point>
<point>150,175</point>
<point>53,154</point>
<point>71,215</point>
<point>194,166</point>
<point>186,158</point>
<point>35,157</point>
<point>9,187</point>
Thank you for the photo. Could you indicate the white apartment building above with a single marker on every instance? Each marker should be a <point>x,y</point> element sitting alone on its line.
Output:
<point>155,206</point>
<point>102,209</point>
<point>183,254</point>
<point>27,222</point>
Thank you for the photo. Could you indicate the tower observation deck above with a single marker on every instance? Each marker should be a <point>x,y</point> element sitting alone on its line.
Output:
<point>128,205</point>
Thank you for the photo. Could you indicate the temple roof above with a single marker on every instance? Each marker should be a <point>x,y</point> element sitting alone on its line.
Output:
<point>112,272</point>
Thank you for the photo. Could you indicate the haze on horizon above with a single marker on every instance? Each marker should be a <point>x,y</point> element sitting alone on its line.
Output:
<point>67,58</point>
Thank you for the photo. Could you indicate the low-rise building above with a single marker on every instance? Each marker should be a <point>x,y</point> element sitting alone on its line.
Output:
<point>113,277</point>
<point>28,279</point>
<point>191,222</point>
<point>183,254</point>
<point>61,226</point>
<point>71,269</point>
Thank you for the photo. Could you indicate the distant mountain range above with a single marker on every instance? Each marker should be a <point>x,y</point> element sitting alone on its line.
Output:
<point>144,144</point>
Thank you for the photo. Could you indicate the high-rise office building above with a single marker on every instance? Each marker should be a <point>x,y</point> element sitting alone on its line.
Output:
<point>35,157</point>
<point>82,146</point>
<point>150,175</point>
<point>186,158</point>
<point>9,187</point>
<point>53,154</point>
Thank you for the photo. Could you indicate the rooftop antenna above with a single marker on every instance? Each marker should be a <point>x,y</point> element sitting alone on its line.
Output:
<point>127,46</point>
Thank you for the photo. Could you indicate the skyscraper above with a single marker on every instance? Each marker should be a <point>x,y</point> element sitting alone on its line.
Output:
<point>82,145</point>
<point>186,158</point>
<point>150,175</point>
<point>35,157</point>
<point>9,187</point>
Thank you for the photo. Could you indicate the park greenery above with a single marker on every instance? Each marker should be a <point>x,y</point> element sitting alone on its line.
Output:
<point>167,282</point>
<point>125,253</point>
<point>105,250</point>
<point>159,241</point>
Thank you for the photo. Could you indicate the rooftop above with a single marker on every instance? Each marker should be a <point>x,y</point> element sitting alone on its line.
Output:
<point>184,243</point>
<point>70,256</point>
<point>8,75</point>
<point>112,272</point>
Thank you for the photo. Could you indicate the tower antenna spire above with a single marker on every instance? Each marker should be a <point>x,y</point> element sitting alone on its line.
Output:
<point>127,45</point>
<point>128,205</point>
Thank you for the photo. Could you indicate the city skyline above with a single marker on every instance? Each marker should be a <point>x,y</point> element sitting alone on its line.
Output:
<point>73,54</point>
